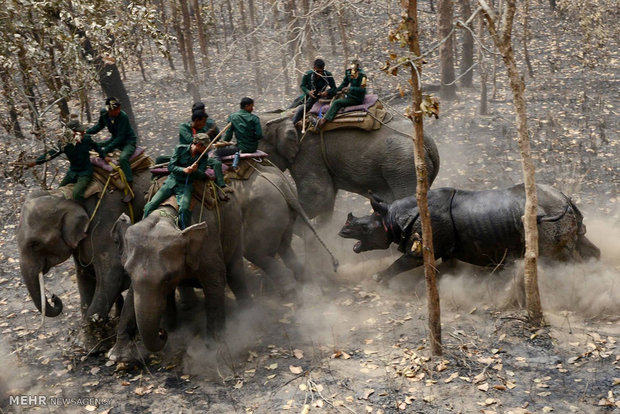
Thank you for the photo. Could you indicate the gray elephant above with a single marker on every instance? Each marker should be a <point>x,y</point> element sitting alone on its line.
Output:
<point>52,229</point>
<point>482,228</point>
<point>270,207</point>
<point>159,258</point>
<point>358,161</point>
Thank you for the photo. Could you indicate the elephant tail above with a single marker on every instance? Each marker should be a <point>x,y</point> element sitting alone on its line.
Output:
<point>292,201</point>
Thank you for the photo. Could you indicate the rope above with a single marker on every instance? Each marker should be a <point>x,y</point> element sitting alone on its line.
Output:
<point>217,206</point>
<point>126,190</point>
<point>202,203</point>
<point>100,198</point>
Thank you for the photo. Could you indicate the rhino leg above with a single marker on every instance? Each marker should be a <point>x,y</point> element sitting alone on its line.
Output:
<point>402,264</point>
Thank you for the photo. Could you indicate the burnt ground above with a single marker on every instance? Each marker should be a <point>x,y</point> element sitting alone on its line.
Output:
<point>356,347</point>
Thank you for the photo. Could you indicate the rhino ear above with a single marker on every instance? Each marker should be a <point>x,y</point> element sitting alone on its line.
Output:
<point>408,217</point>
<point>194,237</point>
<point>74,226</point>
<point>118,233</point>
<point>379,207</point>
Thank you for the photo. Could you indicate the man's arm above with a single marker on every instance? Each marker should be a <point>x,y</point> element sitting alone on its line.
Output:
<point>305,83</point>
<point>94,146</point>
<point>257,127</point>
<point>186,135</point>
<point>359,90</point>
<point>98,126</point>
<point>229,132</point>
<point>212,129</point>
<point>49,155</point>
<point>173,165</point>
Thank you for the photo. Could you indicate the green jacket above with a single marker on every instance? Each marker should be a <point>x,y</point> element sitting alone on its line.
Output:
<point>119,127</point>
<point>186,132</point>
<point>78,155</point>
<point>183,158</point>
<point>247,129</point>
<point>311,81</point>
<point>357,86</point>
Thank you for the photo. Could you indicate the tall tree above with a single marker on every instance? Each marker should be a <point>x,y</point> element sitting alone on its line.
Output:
<point>501,33</point>
<point>192,82</point>
<point>202,36</point>
<point>467,60</point>
<point>446,49</point>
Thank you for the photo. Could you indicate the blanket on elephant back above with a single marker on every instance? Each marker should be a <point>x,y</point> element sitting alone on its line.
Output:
<point>367,116</point>
<point>203,192</point>
<point>102,170</point>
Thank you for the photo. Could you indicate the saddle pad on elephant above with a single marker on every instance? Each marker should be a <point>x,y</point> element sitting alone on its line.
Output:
<point>102,170</point>
<point>198,190</point>
<point>322,107</point>
<point>368,121</point>
<point>66,192</point>
<point>247,167</point>
<point>258,155</point>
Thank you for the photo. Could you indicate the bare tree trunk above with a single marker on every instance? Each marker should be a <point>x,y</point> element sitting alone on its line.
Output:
<point>526,54</point>
<point>467,60</point>
<point>191,61</point>
<point>434,315</point>
<point>180,35</point>
<point>13,124</point>
<point>343,34</point>
<point>251,53</point>
<point>503,42</point>
<point>482,69</point>
<point>310,47</point>
<point>446,54</point>
<point>292,29</point>
<point>202,37</point>
<point>164,20</point>
<point>287,84</point>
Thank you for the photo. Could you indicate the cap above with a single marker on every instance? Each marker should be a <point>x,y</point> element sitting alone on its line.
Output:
<point>112,103</point>
<point>76,125</point>
<point>201,138</point>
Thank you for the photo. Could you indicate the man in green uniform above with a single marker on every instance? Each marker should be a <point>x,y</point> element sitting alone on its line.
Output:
<point>183,171</point>
<point>354,88</point>
<point>76,147</point>
<point>314,84</point>
<point>123,137</point>
<point>200,123</point>
<point>246,128</point>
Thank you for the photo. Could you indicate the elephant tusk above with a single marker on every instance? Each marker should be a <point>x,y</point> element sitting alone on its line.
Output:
<point>43,300</point>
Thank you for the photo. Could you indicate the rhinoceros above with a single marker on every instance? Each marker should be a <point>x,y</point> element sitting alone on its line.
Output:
<point>482,228</point>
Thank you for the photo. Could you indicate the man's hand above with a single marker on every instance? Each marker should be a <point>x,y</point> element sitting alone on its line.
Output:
<point>31,164</point>
<point>222,144</point>
<point>323,94</point>
<point>312,94</point>
<point>190,169</point>
<point>108,159</point>
<point>345,89</point>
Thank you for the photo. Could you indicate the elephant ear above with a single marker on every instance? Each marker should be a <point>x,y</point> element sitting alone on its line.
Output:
<point>379,206</point>
<point>74,226</point>
<point>118,233</point>
<point>194,237</point>
<point>288,141</point>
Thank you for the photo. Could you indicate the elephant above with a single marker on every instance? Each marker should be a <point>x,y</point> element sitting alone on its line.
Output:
<point>358,161</point>
<point>483,228</point>
<point>51,229</point>
<point>159,257</point>
<point>270,207</point>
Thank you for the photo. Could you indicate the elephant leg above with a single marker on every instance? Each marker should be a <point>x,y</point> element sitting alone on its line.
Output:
<point>289,257</point>
<point>279,275</point>
<point>187,297</point>
<point>118,306</point>
<point>125,331</point>
<point>169,320</point>
<point>215,310</point>
<point>402,264</point>
<point>235,276</point>
<point>108,287</point>
<point>86,285</point>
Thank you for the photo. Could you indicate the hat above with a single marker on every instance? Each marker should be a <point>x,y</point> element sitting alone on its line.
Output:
<point>112,103</point>
<point>201,138</point>
<point>76,125</point>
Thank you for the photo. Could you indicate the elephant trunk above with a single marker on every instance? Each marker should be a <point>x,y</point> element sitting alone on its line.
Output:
<point>33,277</point>
<point>148,315</point>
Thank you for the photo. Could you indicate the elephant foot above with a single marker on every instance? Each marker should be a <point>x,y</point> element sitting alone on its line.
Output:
<point>95,339</point>
<point>125,350</point>
<point>378,277</point>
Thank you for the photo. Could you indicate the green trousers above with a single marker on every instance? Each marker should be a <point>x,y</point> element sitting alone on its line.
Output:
<point>184,198</point>
<point>81,182</point>
<point>340,103</point>
<point>123,160</point>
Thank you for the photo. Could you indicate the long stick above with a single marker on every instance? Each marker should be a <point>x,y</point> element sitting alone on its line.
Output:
<point>303,120</point>
<point>213,141</point>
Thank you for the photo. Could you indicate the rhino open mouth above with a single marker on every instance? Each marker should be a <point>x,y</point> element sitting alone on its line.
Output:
<point>357,247</point>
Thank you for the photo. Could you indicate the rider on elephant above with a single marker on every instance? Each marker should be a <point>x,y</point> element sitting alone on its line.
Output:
<point>123,137</point>
<point>200,123</point>
<point>76,146</point>
<point>184,169</point>
<point>246,127</point>
<point>314,84</point>
<point>354,87</point>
